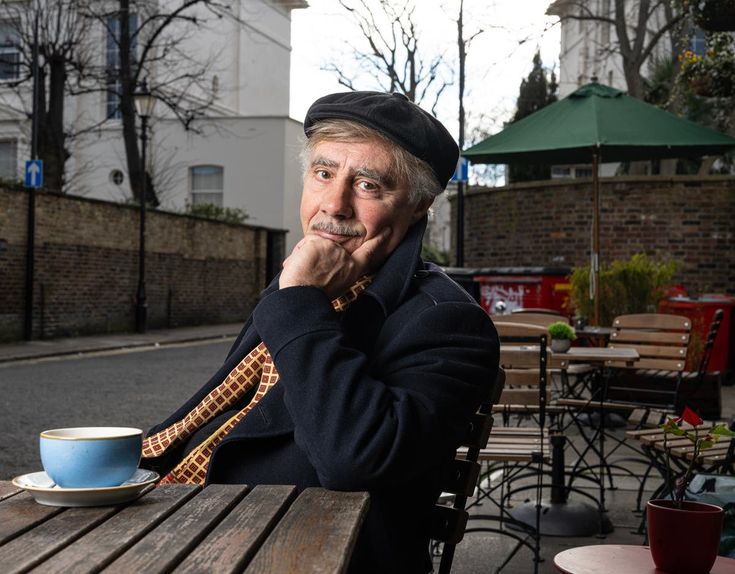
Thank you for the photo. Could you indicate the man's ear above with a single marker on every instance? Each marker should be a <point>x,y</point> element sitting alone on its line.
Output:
<point>422,207</point>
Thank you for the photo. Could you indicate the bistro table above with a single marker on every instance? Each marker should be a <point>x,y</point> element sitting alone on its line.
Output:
<point>614,558</point>
<point>560,517</point>
<point>185,528</point>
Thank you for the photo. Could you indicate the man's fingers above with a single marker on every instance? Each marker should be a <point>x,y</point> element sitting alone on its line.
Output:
<point>372,249</point>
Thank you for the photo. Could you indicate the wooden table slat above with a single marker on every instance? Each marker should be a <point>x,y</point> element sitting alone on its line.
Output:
<point>165,546</point>
<point>20,513</point>
<point>234,542</point>
<point>48,538</point>
<point>105,543</point>
<point>8,489</point>
<point>319,529</point>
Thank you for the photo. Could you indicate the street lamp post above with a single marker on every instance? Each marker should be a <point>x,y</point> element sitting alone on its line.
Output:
<point>144,104</point>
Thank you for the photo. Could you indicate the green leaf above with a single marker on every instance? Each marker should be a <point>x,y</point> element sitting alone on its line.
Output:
<point>676,430</point>
<point>722,430</point>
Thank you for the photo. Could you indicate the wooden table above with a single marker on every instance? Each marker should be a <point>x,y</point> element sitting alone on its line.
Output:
<point>184,528</point>
<point>614,558</point>
<point>597,355</point>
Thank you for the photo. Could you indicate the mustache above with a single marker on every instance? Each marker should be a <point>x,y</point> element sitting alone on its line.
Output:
<point>335,229</point>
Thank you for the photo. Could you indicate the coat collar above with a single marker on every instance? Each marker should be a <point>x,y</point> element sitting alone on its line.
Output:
<point>394,278</point>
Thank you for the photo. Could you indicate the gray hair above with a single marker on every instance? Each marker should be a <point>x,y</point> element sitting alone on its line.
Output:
<point>415,173</point>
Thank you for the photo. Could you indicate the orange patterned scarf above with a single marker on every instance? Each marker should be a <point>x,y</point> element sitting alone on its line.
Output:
<point>256,368</point>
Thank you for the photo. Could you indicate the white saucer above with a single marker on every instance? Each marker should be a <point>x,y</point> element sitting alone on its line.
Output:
<point>44,491</point>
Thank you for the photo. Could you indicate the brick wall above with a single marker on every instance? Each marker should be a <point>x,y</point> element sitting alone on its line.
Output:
<point>86,267</point>
<point>687,218</point>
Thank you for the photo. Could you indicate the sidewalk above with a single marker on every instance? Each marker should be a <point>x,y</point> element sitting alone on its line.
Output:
<point>27,350</point>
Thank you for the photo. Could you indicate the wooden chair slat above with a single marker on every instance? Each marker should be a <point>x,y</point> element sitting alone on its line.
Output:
<point>519,357</point>
<point>667,364</point>
<point>460,477</point>
<point>653,321</point>
<point>518,329</point>
<point>448,524</point>
<point>650,337</point>
<point>522,396</point>
<point>539,319</point>
<point>478,431</point>
<point>523,377</point>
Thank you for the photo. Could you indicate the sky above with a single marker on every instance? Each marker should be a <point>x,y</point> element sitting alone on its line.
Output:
<point>497,59</point>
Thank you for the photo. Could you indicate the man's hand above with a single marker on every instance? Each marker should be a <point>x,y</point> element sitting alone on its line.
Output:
<point>325,264</point>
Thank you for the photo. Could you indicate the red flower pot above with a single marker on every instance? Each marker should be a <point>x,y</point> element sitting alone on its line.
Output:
<point>684,541</point>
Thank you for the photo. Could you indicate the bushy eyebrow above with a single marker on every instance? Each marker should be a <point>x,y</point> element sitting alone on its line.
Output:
<point>324,162</point>
<point>383,179</point>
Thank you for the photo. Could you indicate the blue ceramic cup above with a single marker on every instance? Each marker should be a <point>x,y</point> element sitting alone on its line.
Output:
<point>91,457</point>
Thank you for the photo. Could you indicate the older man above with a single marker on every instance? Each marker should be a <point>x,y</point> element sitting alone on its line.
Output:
<point>361,365</point>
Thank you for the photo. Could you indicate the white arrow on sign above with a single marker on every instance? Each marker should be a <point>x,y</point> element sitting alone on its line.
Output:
<point>34,170</point>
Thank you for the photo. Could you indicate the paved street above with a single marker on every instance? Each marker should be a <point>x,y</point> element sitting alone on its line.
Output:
<point>131,388</point>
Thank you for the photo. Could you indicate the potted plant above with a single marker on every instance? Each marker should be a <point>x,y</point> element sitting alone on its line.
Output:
<point>684,536</point>
<point>562,336</point>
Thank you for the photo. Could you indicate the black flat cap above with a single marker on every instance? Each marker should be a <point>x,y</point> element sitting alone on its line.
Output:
<point>398,119</point>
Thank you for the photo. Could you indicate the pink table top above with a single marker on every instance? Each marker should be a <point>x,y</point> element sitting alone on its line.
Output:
<point>613,558</point>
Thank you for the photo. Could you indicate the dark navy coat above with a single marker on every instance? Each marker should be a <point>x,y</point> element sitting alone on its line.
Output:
<point>375,398</point>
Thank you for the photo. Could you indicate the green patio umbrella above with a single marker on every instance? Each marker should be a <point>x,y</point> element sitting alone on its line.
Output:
<point>597,124</point>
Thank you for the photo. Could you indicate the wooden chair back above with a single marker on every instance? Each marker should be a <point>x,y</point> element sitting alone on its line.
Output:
<point>523,310</point>
<point>448,523</point>
<point>521,364</point>
<point>541,319</point>
<point>661,340</point>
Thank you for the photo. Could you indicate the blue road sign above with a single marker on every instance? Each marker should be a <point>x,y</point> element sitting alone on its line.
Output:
<point>34,173</point>
<point>462,170</point>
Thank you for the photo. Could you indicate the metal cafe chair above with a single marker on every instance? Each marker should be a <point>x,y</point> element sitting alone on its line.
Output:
<point>458,482</point>
<point>518,452</point>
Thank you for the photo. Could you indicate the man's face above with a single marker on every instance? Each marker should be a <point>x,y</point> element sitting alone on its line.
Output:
<point>350,195</point>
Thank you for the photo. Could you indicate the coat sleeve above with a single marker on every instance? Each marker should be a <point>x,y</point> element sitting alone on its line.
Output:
<point>366,422</point>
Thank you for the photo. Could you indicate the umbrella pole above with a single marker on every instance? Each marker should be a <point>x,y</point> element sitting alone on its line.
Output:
<point>596,237</point>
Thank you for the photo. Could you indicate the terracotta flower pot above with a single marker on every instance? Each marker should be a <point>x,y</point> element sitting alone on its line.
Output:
<point>684,541</point>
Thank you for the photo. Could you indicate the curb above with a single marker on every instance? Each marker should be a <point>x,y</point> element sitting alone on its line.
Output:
<point>107,348</point>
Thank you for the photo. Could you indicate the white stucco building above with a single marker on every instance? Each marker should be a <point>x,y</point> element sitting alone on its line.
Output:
<point>243,154</point>
<point>589,48</point>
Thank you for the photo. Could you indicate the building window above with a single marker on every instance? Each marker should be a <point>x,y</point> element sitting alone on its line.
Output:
<point>207,184</point>
<point>9,51</point>
<point>113,61</point>
<point>606,25</point>
<point>583,172</point>
<point>699,42</point>
<point>117,177</point>
<point>9,160</point>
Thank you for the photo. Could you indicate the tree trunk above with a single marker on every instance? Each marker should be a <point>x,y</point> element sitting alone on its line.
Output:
<point>51,125</point>
<point>56,152</point>
<point>127,110</point>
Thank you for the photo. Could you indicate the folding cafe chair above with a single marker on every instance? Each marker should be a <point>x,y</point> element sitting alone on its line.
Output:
<point>517,452</point>
<point>449,522</point>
